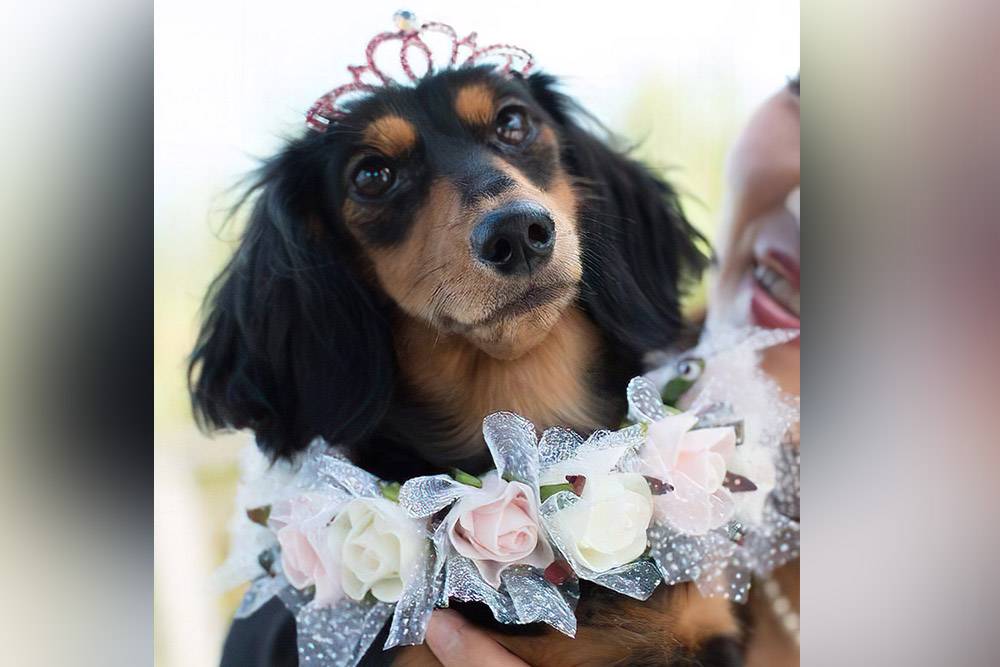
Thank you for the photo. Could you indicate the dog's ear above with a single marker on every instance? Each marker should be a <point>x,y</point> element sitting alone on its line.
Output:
<point>640,252</point>
<point>294,345</point>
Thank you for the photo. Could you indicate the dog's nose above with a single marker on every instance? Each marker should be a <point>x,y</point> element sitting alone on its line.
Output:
<point>514,239</point>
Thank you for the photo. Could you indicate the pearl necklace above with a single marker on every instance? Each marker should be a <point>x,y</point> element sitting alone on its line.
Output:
<point>782,609</point>
<point>788,499</point>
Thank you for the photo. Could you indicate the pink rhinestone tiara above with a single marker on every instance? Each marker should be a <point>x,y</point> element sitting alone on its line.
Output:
<point>368,77</point>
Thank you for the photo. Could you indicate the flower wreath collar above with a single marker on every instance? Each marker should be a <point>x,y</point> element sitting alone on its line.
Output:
<point>691,488</point>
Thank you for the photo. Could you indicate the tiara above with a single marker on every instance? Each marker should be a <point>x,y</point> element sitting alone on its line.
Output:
<point>463,52</point>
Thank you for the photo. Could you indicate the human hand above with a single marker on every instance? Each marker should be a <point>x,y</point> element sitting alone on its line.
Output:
<point>457,643</point>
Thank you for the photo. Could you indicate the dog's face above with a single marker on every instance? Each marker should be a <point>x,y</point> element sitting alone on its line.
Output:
<point>473,203</point>
<point>456,192</point>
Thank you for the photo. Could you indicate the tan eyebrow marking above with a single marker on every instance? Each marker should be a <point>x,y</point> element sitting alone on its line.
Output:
<point>547,135</point>
<point>474,104</point>
<point>393,136</point>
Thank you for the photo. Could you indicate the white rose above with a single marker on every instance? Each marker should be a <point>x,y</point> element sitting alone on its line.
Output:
<point>377,544</point>
<point>607,526</point>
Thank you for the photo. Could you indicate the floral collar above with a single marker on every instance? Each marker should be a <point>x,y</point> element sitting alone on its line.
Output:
<point>692,488</point>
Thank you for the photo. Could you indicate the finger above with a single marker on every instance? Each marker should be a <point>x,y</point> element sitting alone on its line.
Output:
<point>415,656</point>
<point>456,643</point>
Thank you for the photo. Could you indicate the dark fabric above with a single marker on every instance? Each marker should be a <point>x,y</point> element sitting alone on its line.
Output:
<point>267,639</point>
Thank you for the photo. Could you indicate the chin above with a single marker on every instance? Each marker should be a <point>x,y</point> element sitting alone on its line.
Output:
<point>513,335</point>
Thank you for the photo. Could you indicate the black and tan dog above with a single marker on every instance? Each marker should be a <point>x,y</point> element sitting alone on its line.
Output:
<point>444,252</point>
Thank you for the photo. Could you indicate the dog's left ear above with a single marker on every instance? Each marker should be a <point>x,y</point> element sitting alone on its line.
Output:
<point>639,251</point>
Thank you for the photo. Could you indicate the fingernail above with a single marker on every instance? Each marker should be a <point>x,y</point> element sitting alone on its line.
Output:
<point>443,632</point>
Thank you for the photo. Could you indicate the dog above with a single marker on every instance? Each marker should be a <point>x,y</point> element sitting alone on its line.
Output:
<point>442,252</point>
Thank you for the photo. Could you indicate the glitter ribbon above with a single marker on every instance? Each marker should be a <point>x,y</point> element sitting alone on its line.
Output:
<point>340,635</point>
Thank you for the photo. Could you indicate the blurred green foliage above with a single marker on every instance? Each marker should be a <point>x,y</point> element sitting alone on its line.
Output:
<point>687,144</point>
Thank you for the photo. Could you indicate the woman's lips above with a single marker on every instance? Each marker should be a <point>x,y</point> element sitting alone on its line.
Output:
<point>774,301</point>
<point>768,313</point>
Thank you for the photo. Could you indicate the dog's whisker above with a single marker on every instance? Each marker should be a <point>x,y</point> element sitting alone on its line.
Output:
<point>422,277</point>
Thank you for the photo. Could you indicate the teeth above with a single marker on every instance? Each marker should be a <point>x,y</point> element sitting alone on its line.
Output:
<point>778,287</point>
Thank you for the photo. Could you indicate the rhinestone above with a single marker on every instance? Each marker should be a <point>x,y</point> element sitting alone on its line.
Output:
<point>405,20</point>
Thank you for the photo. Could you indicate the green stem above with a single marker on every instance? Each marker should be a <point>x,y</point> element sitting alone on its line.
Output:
<point>466,478</point>
<point>550,490</point>
<point>391,491</point>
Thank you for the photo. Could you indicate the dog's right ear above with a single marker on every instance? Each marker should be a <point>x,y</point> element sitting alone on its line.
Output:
<point>644,253</point>
<point>294,345</point>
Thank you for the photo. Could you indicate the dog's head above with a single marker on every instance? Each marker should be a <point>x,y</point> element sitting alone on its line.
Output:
<point>473,203</point>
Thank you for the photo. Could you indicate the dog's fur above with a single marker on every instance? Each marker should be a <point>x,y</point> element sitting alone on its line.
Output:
<point>368,321</point>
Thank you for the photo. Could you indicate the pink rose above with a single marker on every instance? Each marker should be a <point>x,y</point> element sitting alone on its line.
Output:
<point>300,524</point>
<point>694,463</point>
<point>497,526</point>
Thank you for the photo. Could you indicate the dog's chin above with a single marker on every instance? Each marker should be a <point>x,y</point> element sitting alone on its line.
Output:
<point>514,337</point>
<point>516,329</point>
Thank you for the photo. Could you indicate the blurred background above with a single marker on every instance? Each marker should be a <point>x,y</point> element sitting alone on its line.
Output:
<point>233,77</point>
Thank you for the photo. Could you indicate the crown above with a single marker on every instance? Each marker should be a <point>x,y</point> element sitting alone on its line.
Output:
<point>366,78</point>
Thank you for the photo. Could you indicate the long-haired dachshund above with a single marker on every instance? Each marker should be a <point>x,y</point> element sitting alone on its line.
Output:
<point>441,253</point>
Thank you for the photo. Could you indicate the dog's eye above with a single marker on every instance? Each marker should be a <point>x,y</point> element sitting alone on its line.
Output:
<point>512,125</point>
<point>373,177</point>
